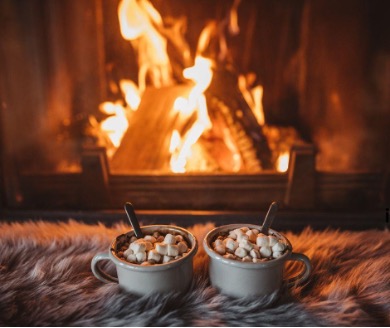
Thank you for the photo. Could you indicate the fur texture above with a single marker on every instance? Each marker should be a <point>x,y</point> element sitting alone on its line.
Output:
<point>46,280</point>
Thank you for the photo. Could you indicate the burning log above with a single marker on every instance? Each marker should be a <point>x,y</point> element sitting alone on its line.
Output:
<point>145,145</point>
<point>225,97</point>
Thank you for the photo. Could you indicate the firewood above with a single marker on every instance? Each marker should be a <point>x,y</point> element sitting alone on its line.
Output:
<point>145,145</point>
<point>223,95</point>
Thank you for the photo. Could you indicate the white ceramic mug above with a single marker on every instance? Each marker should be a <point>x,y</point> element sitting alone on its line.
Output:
<point>248,279</point>
<point>174,276</point>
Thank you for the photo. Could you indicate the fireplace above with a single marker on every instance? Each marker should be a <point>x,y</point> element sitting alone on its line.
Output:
<point>296,108</point>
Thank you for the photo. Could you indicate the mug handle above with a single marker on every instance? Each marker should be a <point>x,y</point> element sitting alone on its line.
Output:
<point>304,275</point>
<point>98,272</point>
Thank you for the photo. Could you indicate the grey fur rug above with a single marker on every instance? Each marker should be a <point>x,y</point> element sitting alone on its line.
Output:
<point>45,280</point>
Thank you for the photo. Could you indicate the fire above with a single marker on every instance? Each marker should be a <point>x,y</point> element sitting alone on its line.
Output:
<point>253,96</point>
<point>139,23</point>
<point>131,93</point>
<point>188,116</point>
<point>175,141</point>
<point>115,125</point>
<point>201,74</point>
<point>282,162</point>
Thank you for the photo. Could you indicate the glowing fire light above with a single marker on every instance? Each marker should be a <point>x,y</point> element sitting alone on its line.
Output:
<point>253,98</point>
<point>131,93</point>
<point>142,25</point>
<point>282,162</point>
<point>115,125</point>
<point>201,74</point>
<point>175,141</point>
<point>139,22</point>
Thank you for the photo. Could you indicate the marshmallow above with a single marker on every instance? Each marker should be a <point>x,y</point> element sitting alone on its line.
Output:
<point>251,236</point>
<point>262,240</point>
<point>218,242</point>
<point>231,244</point>
<point>275,255</point>
<point>131,258</point>
<point>148,245</point>
<point>167,259</point>
<point>179,238</point>
<point>247,245</point>
<point>255,231</point>
<point>220,249</point>
<point>241,252</point>
<point>182,245</point>
<point>150,239</point>
<point>152,249</point>
<point>278,247</point>
<point>242,237</point>
<point>255,254</point>
<point>138,247</point>
<point>141,256</point>
<point>272,240</point>
<point>173,250</point>
<point>161,248</point>
<point>170,239</point>
<point>238,232</point>
<point>265,251</point>
<point>154,255</point>
<point>227,240</point>
<point>128,252</point>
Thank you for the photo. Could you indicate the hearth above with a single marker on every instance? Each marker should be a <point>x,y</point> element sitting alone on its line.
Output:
<point>220,106</point>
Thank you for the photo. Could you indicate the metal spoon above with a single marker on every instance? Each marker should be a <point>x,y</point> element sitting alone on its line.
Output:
<point>129,209</point>
<point>269,217</point>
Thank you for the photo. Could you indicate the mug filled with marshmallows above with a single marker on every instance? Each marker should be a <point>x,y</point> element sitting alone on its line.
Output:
<point>244,262</point>
<point>161,261</point>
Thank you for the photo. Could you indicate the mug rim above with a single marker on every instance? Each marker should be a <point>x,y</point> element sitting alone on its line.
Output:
<point>247,265</point>
<point>154,267</point>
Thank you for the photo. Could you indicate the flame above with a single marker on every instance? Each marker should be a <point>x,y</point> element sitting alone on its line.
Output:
<point>201,74</point>
<point>139,22</point>
<point>181,105</point>
<point>258,111</point>
<point>132,19</point>
<point>233,18</point>
<point>175,141</point>
<point>253,98</point>
<point>115,125</point>
<point>131,93</point>
<point>283,161</point>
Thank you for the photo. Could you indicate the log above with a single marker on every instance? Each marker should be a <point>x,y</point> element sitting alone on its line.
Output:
<point>145,145</point>
<point>224,96</point>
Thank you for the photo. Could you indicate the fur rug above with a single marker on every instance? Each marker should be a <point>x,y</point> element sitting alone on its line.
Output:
<point>46,280</point>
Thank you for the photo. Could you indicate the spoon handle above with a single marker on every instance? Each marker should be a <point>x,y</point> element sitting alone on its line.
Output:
<point>269,217</point>
<point>133,220</point>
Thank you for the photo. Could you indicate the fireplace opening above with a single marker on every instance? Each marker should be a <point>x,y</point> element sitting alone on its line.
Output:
<point>217,105</point>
